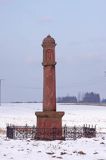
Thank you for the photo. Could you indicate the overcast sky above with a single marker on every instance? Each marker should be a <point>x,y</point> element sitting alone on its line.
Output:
<point>79,29</point>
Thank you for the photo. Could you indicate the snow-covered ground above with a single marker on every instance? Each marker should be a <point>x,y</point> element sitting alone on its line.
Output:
<point>23,113</point>
<point>80,149</point>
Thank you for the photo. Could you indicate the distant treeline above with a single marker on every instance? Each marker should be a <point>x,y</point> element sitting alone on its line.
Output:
<point>88,97</point>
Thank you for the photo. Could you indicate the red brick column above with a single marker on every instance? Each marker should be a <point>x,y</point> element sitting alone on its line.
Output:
<point>49,80</point>
<point>49,122</point>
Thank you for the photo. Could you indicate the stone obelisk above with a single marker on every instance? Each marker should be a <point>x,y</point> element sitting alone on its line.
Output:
<point>49,122</point>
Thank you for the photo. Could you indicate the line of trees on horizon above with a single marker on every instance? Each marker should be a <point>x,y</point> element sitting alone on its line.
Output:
<point>88,97</point>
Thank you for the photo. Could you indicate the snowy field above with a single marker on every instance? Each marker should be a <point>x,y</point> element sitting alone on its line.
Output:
<point>80,149</point>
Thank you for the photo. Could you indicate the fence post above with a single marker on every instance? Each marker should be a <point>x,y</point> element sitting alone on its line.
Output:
<point>33,132</point>
<point>65,132</point>
<point>14,132</point>
<point>74,137</point>
<point>26,131</point>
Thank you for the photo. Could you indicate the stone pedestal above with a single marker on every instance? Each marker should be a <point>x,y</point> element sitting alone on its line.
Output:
<point>49,125</point>
<point>49,122</point>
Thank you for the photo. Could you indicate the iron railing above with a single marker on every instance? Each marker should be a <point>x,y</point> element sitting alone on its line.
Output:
<point>25,132</point>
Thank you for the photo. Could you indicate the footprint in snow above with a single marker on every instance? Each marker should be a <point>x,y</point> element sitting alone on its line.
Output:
<point>95,153</point>
<point>50,153</point>
<point>59,157</point>
<point>62,153</point>
<point>102,143</point>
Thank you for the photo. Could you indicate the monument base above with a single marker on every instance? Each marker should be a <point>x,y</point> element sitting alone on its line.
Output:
<point>49,125</point>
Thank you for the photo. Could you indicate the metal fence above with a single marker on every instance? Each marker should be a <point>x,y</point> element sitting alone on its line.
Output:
<point>20,132</point>
<point>25,132</point>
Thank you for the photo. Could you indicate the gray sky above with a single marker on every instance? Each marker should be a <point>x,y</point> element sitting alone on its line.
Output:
<point>79,28</point>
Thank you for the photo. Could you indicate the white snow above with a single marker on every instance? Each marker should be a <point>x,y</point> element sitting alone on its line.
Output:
<point>80,149</point>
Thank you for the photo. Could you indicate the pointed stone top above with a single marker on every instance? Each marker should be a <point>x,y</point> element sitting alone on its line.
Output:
<point>48,42</point>
<point>49,36</point>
